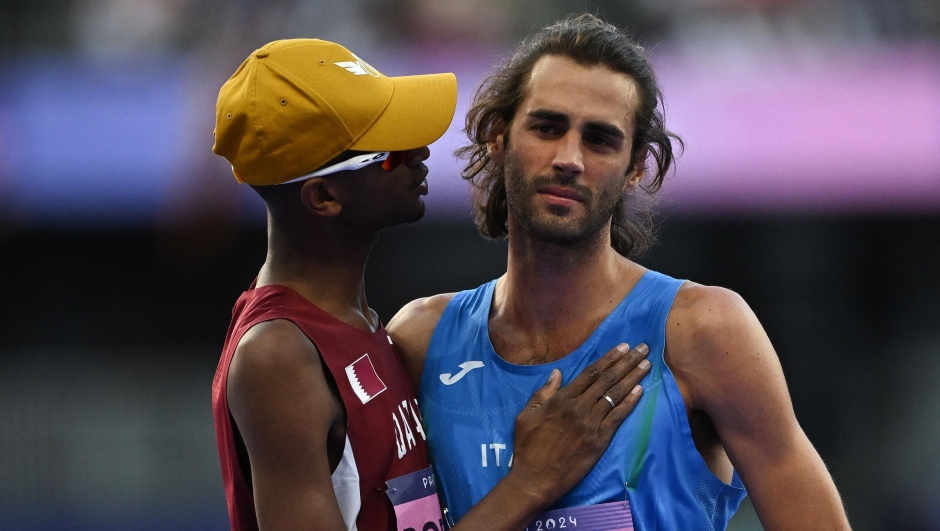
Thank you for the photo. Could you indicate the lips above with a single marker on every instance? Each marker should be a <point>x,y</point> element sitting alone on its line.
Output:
<point>422,177</point>
<point>422,186</point>
<point>562,192</point>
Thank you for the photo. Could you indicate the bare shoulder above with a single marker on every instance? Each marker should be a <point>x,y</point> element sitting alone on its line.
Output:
<point>411,330</point>
<point>715,342</point>
<point>274,363</point>
<point>272,347</point>
<point>707,317</point>
<point>414,324</point>
<point>704,309</point>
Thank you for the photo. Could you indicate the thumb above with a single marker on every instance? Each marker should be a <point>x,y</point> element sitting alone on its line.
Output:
<point>546,391</point>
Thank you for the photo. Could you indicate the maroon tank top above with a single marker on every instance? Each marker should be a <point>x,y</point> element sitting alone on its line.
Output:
<point>383,425</point>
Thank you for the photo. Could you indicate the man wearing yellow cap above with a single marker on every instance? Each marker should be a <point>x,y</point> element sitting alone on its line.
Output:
<point>316,422</point>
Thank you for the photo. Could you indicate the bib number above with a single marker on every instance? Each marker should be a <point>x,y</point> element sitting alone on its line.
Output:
<point>414,497</point>
<point>614,516</point>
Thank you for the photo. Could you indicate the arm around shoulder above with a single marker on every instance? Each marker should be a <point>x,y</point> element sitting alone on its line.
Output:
<point>411,330</point>
<point>727,367</point>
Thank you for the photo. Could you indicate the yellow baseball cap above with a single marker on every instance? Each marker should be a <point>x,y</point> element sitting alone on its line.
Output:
<point>295,104</point>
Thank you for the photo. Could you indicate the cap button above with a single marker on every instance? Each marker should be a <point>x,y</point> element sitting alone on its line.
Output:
<point>261,53</point>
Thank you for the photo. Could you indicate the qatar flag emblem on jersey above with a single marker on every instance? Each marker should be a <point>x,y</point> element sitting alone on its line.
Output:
<point>364,380</point>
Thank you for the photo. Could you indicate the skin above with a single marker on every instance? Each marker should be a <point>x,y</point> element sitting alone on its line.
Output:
<point>561,264</point>
<point>286,405</point>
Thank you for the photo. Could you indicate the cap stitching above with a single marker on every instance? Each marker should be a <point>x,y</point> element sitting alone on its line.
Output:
<point>378,114</point>
<point>439,83</point>
<point>375,117</point>
<point>285,71</point>
<point>302,44</point>
<point>253,110</point>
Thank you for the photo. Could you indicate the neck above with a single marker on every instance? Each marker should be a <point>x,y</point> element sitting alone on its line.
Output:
<point>547,283</point>
<point>324,264</point>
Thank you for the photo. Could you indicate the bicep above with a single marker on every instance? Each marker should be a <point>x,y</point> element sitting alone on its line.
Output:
<point>739,383</point>
<point>746,398</point>
<point>283,407</point>
<point>734,376</point>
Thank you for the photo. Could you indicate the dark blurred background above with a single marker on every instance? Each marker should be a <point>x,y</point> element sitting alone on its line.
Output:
<point>810,185</point>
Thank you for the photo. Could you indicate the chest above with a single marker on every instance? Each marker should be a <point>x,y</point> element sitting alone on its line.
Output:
<point>470,417</point>
<point>526,347</point>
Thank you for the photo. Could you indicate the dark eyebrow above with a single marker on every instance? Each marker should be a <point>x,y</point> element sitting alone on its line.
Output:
<point>552,116</point>
<point>595,127</point>
<point>605,128</point>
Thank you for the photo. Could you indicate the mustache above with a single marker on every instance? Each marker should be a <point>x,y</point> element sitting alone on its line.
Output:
<point>560,180</point>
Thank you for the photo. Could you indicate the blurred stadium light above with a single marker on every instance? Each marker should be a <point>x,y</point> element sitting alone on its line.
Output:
<point>773,123</point>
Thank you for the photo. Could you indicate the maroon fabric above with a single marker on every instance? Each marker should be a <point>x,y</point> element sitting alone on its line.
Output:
<point>383,422</point>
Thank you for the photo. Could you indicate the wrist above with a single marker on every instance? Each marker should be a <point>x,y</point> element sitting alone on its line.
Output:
<point>529,493</point>
<point>512,504</point>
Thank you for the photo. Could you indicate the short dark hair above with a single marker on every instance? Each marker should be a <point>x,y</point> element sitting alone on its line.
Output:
<point>588,41</point>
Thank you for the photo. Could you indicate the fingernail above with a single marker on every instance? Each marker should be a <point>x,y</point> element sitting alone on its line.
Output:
<point>645,364</point>
<point>552,375</point>
<point>636,390</point>
<point>617,352</point>
<point>643,348</point>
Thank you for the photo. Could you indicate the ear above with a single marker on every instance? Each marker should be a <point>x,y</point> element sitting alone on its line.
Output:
<point>319,196</point>
<point>495,142</point>
<point>636,174</point>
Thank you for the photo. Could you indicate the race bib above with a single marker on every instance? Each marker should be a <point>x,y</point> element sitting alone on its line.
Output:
<point>414,497</point>
<point>614,516</point>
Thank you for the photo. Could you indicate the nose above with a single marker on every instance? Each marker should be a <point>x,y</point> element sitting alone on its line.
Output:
<point>569,160</point>
<point>417,156</point>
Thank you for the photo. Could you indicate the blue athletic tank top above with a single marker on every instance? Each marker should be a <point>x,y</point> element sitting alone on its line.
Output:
<point>470,398</point>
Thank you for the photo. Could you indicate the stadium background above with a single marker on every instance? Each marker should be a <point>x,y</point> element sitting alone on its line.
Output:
<point>810,184</point>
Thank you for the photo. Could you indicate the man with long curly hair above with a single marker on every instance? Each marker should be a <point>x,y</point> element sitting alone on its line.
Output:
<point>567,146</point>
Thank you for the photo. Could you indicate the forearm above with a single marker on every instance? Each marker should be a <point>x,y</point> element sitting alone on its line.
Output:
<point>797,494</point>
<point>510,506</point>
<point>559,436</point>
<point>292,516</point>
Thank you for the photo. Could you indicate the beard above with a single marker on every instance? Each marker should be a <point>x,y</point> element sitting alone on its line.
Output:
<point>557,224</point>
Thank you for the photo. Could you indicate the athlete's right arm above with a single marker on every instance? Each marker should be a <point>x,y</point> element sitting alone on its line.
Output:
<point>559,435</point>
<point>281,402</point>
<point>411,330</point>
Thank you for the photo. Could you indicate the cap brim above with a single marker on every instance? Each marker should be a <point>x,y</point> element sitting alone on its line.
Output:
<point>419,113</point>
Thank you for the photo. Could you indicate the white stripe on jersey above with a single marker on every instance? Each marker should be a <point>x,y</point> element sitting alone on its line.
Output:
<point>346,486</point>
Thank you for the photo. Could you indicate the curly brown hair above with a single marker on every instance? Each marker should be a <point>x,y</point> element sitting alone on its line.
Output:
<point>588,41</point>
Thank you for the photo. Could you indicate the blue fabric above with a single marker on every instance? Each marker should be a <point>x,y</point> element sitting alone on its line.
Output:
<point>652,460</point>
